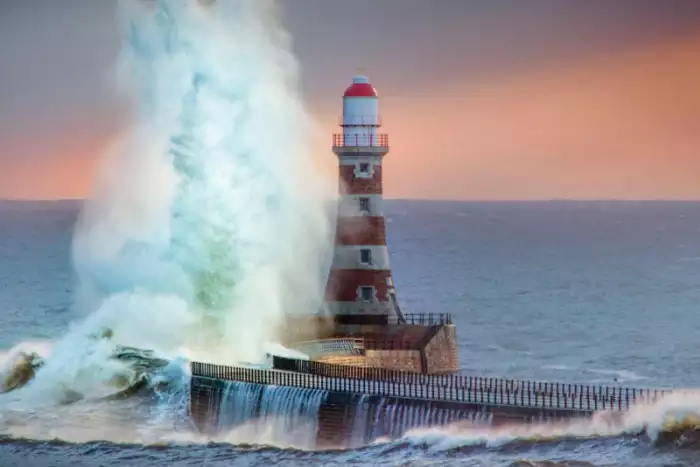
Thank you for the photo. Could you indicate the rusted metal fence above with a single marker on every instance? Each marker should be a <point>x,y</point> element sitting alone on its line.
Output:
<point>459,389</point>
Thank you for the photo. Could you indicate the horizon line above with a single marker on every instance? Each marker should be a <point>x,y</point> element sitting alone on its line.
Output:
<point>465,200</point>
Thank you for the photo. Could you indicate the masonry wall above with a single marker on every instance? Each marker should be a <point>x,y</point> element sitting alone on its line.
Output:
<point>336,421</point>
<point>435,353</point>
<point>205,399</point>
<point>403,360</point>
<point>441,355</point>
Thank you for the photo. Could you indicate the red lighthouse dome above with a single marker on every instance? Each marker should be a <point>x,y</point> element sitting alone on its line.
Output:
<point>360,87</point>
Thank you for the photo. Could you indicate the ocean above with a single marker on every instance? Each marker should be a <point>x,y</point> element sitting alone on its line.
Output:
<point>595,292</point>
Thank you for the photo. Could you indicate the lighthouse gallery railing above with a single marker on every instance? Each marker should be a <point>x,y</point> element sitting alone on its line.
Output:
<point>360,140</point>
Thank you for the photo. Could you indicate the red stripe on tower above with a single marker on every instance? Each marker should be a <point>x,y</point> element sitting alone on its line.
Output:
<point>360,287</point>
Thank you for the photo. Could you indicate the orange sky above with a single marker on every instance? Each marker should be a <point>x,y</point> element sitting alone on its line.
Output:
<point>619,125</point>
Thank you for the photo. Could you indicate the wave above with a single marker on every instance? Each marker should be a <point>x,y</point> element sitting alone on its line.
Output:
<point>144,369</point>
<point>20,366</point>
<point>673,419</point>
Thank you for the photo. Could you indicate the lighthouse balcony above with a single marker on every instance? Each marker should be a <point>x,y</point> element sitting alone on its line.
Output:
<point>345,140</point>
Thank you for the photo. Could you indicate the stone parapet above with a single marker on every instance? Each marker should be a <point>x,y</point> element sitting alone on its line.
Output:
<point>441,356</point>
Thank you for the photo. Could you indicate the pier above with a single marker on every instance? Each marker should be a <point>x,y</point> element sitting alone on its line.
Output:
<point>350,405</point>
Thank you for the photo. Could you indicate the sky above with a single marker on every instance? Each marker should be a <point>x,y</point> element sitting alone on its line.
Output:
<point>482,99</point>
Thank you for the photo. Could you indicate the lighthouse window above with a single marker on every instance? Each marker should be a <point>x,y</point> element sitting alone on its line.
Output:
<point>364,167</point>
<point>366,256</point>
<point>364,205</point>
<point>367,293</point>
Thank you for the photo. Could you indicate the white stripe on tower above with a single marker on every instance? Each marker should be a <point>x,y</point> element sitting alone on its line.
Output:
<point>360,282</point>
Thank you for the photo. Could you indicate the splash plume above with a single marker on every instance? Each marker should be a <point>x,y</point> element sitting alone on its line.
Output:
<point>207,226</point>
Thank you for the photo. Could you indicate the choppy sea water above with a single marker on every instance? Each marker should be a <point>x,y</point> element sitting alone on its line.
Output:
<point>599,292</point>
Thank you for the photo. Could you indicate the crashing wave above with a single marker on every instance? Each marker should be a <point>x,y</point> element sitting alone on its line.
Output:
<point>21,369</point>
<point>671,421</point>
<point>683,432</point>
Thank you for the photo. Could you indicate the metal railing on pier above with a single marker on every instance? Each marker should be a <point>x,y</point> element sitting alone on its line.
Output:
<point>449,388</point>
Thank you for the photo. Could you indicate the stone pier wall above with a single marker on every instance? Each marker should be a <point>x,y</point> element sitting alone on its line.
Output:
<point>205,400</point>
<point>353,405</point>
<point>350,420</point>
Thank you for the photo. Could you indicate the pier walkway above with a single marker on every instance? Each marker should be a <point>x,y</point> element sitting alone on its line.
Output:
<point>452,388</point>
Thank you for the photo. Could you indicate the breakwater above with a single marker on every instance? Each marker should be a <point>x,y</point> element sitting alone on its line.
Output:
<point>319,405</point>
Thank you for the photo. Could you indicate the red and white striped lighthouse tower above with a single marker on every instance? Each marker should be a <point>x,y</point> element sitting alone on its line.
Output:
<point>360,288</point>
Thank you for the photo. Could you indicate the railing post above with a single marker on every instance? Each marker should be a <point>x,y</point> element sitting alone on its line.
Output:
<point>480,395</point>
<point>604,397</point>
<point>596,392</point>
<point>545,393</point>
<point>619,399</point>
<point>558,396</point>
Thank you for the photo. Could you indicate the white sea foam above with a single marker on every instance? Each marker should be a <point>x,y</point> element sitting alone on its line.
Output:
<point>680,408</point>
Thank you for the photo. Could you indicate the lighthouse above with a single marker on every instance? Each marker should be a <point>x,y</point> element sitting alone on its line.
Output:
<point>360,288</point>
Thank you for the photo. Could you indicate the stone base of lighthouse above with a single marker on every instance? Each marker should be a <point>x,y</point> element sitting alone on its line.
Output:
<point>435,351</point>
<point>429,348</point>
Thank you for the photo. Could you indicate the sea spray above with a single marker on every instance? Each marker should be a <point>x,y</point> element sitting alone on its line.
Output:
<point>207,225</point>
<point>171,386</point>
<point>393,419</point>
<point>267,414</point>
<point>359,421</point>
